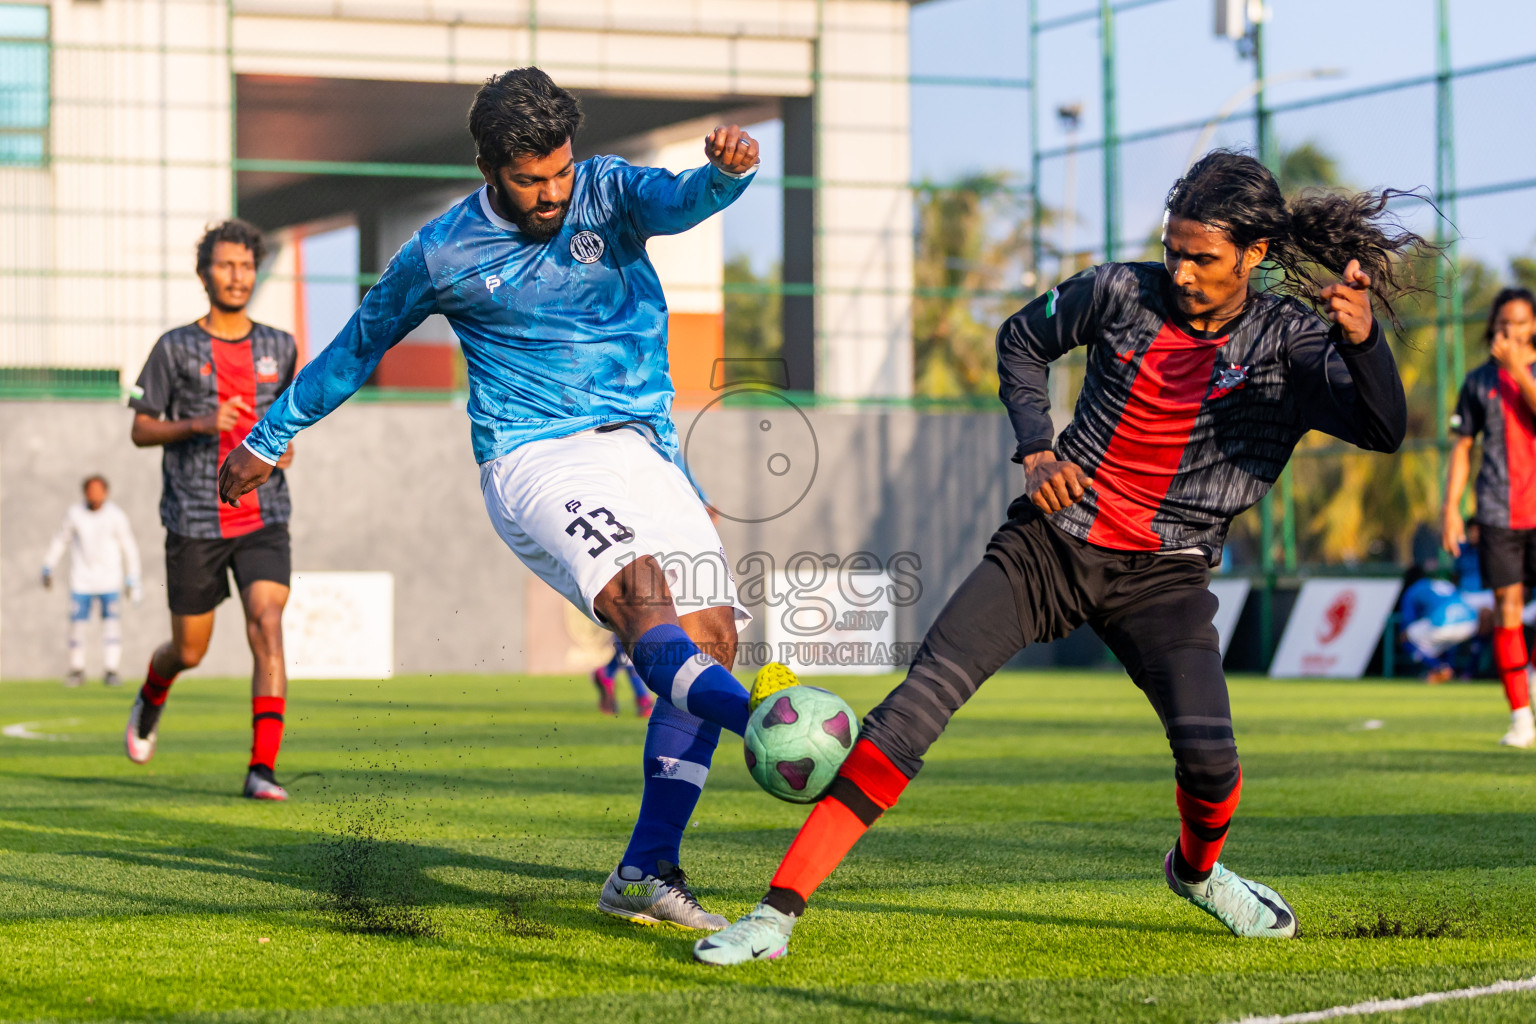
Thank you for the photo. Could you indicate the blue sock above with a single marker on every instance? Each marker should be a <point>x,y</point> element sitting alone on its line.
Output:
<point>678,749</point>
<point>677,672</point>
<point>615,662</point>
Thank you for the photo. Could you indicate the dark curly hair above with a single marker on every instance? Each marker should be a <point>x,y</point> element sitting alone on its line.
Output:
<point>521,112</point>
<point>1504,298</point>
<point>1316,232</point>
<point>240,232</point>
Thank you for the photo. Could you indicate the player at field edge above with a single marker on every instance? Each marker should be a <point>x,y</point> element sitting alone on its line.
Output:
<point>103,562</point>
<point>199,394</point>
<point>1498,401</point>
<point>543,274</point>
<point>1197,389</point>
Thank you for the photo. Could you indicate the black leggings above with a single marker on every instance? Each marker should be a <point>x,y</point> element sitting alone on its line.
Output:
<point>1153,611</point>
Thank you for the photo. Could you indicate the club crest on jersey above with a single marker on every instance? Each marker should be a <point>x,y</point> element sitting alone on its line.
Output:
<point>266,369</point>
<point>492,283</point>
<point>587,247</point>
<point>1233,378</point>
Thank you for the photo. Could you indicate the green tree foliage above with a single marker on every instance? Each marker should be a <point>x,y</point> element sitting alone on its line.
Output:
<point>753,311</point>
<point>962,272</point>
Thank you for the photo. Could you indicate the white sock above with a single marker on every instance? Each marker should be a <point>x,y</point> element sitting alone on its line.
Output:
<point>76,646</point>
<point>1523,717</point>
<point>111,643</point>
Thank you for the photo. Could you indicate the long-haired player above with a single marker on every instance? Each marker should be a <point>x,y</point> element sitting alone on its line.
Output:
<point>1197,389</point>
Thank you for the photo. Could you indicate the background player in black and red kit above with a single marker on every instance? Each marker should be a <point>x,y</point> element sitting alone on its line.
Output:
<point>202,389</point>
<point>1197,389</point>
<point>1498,401</point>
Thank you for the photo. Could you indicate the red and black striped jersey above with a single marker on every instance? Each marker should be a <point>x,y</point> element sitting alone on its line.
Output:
<point>1491,405</point>
<point>188,374</point>
<point>1182,430</point>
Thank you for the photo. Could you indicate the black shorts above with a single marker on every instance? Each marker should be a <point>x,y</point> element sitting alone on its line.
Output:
<point>1508,556</point>
<point>197,569</point>
<point>1038,583</point>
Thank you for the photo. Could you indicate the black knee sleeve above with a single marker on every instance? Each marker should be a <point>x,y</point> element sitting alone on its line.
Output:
<point>973,637</point>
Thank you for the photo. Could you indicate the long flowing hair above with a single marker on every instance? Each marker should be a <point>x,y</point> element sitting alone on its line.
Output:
<point>1312,237</point>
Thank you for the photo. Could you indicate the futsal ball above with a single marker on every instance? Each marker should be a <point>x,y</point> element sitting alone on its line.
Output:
<point>796,741</point>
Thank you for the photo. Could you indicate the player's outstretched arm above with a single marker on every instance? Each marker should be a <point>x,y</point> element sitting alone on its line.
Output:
<point>403,297</point>
<point>1347,377</point>
<point>662,203</point>
<point>1028,342</point>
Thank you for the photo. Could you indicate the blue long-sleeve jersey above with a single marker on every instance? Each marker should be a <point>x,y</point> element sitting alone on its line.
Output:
<point>558,336</point>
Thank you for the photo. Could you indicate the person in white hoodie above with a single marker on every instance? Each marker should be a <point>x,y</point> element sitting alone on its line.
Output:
<point>103,562</point>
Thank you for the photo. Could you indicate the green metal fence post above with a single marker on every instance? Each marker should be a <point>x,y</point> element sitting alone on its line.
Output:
<point>1260,109</point>
<point>1449,360</point>
<point>1036,230</point>
<point>1111,140</point>
<point>1264,143</point>
<point>1267,565</point>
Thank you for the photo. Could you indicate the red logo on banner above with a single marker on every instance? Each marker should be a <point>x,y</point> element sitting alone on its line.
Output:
<point>1337,617</point>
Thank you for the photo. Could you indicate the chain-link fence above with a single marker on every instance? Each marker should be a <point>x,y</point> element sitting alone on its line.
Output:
<point>121,136</point>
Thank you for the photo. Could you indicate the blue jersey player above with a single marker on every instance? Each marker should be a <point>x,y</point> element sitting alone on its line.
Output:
<point>543,275</point>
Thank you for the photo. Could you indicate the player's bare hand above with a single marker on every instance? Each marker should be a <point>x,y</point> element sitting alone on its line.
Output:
<point>1349,304</point>
<point>731,149</point>
<point>1052,483</point>
<point>1453,532</point>
<point>241,473</point>
<point>1510,354</point>
<point>225,419</point>
<point>286,459</point>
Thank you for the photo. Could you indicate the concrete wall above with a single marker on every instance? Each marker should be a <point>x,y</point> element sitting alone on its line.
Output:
<point>394,487</point>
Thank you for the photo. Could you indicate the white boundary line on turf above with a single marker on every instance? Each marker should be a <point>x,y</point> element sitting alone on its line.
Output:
<point>24,731</point>
<point>1389,1005</point>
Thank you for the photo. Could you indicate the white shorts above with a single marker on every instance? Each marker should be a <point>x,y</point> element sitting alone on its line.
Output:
<point>577,509</point>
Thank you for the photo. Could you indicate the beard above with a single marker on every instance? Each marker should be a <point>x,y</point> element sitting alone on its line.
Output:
<point>1191,301</point>
<point>226,307</point>
<point>537,228</point>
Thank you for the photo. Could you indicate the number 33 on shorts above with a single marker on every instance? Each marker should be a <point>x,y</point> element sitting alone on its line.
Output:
<point>600,526</point>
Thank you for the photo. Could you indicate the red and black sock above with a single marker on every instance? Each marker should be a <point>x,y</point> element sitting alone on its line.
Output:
<point>155,688</point>
<point>1202,832</point>
<point>1511,657</point>
<point>266,733</point>
<point>867,786</point>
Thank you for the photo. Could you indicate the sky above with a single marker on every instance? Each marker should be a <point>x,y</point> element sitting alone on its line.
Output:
<point>1173,69</point>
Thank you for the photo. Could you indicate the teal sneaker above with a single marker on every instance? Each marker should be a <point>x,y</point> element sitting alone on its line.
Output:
<point>1251,910</point>
<point>761,935</point>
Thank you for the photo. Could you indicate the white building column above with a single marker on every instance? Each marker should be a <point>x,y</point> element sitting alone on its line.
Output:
<point>864,207</point>
<point>140,139</point>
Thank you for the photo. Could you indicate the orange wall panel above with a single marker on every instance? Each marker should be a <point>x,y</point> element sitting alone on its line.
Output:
<point>428,367</point>
<point>694,342</point>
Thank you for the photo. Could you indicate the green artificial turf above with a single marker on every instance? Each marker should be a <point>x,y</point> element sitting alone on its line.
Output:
<point>442,852</point>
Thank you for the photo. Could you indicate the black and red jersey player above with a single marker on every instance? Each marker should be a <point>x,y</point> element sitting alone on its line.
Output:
<point>1197,389</point>
<point>201,390</point>
<point>1498,401</point>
